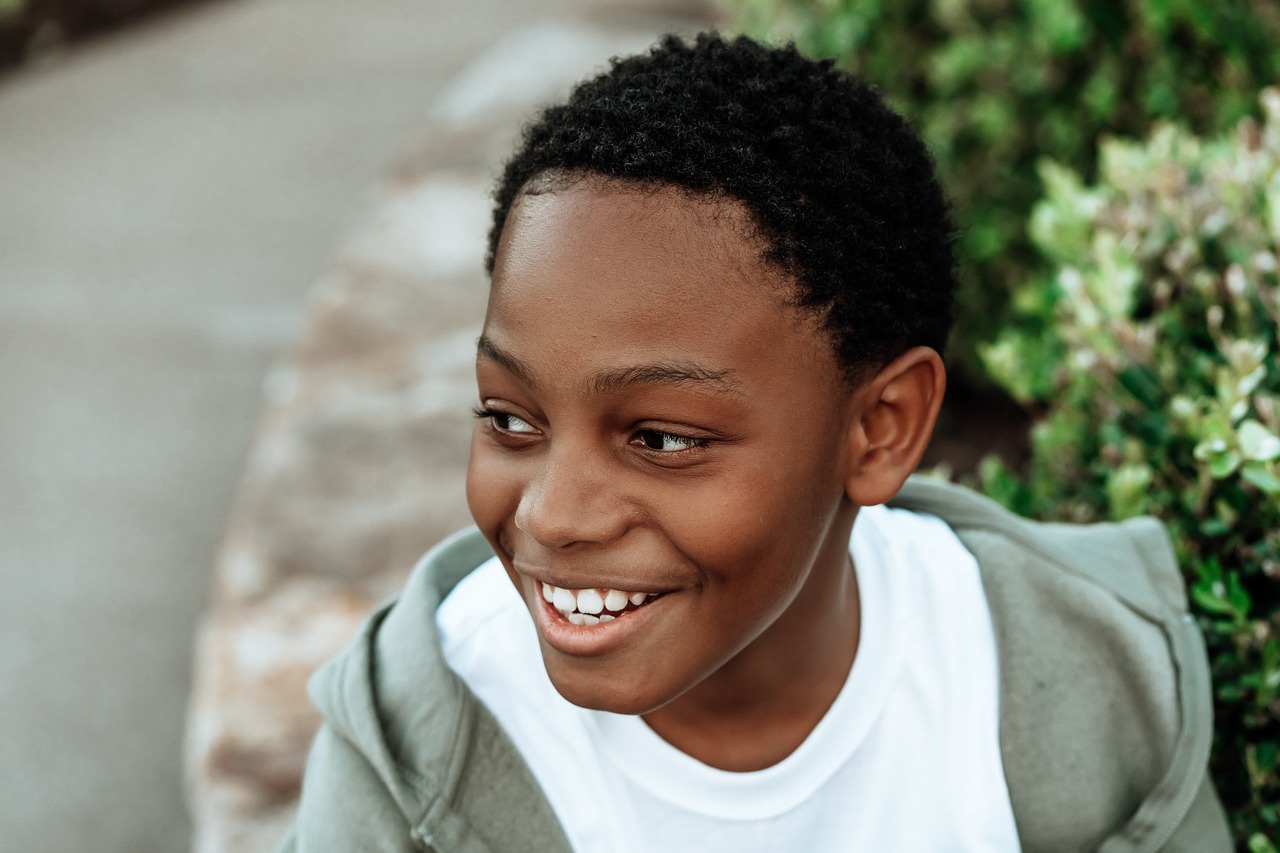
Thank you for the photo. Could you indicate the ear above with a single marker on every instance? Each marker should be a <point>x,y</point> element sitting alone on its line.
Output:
<point>891,425</point>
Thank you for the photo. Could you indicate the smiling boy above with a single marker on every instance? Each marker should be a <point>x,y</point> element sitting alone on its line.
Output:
<point>721,284</point>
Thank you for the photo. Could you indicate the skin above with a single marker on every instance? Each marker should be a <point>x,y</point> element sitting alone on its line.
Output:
<point>656,417</point>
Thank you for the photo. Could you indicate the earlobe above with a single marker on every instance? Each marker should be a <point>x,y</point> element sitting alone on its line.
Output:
<point>895,412</point>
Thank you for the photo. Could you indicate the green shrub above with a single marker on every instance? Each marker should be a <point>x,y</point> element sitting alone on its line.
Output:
<point>993,85</point>
<point>1151,356</point>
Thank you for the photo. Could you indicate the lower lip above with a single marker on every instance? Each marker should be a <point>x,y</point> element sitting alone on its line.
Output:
<point>589,640</point>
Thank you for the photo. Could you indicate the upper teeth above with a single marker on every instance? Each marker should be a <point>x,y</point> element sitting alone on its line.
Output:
<point>590,603</point>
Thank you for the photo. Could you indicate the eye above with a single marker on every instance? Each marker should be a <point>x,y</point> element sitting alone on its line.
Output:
<point>510,423</point>
<point>506,422</point>
<point>666,442</point>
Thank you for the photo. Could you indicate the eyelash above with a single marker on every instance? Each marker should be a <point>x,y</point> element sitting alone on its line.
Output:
<point>696,444</point>
<point>491,415</point>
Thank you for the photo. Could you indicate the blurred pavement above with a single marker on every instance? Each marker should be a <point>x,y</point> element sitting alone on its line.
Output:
<point>168,196</point>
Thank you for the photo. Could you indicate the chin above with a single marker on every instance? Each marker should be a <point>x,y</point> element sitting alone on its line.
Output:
<point>601,693</point>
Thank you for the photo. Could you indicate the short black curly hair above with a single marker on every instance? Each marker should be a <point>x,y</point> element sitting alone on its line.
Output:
<point>841,189</point>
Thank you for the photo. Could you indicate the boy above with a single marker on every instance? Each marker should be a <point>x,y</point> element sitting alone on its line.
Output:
<point>721,283</point>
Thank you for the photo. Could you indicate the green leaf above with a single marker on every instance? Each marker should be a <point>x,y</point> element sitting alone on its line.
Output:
<point>1209,591</point>
<point>1101,94</point>
<point>1257,443</point>
<point>1211,602</point>
<point>1224,465</point>
<point>1060,24</point>
<point>1241,601</point>
<point>1259,843</point>
<point>1128,490</point>
<point>1140,381</point>
<point>1211,527</point>
<point>1267,756</point>
<point>1261,477</point>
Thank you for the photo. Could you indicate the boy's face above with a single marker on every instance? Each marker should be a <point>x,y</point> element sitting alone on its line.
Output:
<point>657,420</point>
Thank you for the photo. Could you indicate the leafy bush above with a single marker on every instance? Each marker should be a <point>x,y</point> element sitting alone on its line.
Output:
<point>993,85</point>
<point>1151,355</point>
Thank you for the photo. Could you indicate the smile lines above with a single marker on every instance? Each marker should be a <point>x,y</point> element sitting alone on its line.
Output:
<point>593,606</point>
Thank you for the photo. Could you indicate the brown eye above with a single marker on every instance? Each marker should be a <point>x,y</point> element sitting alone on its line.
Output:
<point>510,423</point>
<point>665,442</point>
<point>504,422</point>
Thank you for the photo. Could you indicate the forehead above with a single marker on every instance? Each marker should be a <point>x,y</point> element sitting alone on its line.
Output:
<point>675,225</point>
<point>628,238</point>
<point>616,275</point>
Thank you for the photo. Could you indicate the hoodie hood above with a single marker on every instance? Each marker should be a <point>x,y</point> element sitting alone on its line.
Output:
<point>441,756</point>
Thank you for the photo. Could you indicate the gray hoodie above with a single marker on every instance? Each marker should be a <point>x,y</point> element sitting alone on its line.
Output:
<point>1105,712</point>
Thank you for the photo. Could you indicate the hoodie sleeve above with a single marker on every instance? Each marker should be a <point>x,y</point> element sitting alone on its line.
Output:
<point>345,806</point>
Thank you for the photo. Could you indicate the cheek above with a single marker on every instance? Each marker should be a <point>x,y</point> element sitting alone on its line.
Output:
<point>492,493</point>
<point>761,530</point>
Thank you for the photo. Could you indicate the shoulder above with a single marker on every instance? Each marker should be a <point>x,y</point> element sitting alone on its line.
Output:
<point>1132,561</point>
<point>1105,714</point>
<point>407,752</point>
<point>392,684</point>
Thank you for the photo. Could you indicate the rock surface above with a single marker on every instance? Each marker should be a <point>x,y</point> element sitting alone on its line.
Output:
<point>358,465</point>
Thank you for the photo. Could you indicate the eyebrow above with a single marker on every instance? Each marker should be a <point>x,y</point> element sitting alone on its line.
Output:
<point>659,373</point>
<point>488,349</point>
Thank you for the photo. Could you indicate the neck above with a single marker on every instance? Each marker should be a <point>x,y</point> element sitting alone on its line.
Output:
<point>761,705</point>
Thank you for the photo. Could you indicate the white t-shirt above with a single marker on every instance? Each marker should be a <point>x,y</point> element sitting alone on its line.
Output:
<point>907,757</point>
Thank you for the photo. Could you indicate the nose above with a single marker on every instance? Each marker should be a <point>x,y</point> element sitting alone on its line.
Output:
<point>569,502</point>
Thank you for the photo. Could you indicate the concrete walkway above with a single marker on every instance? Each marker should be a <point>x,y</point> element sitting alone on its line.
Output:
<point>168,198</point>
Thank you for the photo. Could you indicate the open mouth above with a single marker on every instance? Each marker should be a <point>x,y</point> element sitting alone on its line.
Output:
<point>594,606</point>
